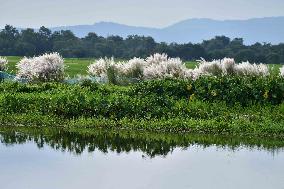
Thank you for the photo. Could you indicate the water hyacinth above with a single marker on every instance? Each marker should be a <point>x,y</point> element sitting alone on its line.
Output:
<point>3,63</point>
<point>48,67</point>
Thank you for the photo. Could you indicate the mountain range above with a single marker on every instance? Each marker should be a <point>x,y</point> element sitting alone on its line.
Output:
<point>268,30</point>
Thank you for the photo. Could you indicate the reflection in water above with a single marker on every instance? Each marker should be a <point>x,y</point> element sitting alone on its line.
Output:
<point>152,144</point>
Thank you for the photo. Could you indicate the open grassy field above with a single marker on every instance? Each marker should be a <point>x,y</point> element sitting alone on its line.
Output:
<point>79,66</point>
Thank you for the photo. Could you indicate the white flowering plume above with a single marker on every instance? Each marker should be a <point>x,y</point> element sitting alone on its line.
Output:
<point>3,63</point>
<point>167,68</point>
<point>157,58</point>
<point>100,67</point>
<point>248,69</point>
<point>134,68</point>
<point>157,66</point>
<point>48,67</point>
<point>160,66</point>
<point>227,66</point>
<point>282,71</point>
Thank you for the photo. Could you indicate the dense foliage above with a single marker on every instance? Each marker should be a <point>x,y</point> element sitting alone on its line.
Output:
<point>251,105</point>
<point>29,42</point>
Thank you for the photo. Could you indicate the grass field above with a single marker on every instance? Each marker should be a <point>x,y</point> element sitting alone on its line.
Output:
<point>79,66</point>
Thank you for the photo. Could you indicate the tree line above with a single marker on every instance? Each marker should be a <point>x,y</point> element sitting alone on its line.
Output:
<point>30,42</point>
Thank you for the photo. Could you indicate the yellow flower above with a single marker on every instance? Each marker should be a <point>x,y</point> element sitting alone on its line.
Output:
<point>192,97</point>
<point>213,93</point>
<point>266,94</point>
<point>189,87</point>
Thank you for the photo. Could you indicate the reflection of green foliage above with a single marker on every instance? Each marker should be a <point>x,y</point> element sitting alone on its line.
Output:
<point>152,144</point>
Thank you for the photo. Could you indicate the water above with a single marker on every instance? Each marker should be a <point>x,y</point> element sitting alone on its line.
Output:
<point>57,159</point>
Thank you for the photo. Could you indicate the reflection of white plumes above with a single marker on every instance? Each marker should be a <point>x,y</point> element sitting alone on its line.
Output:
<point>282,71</point>
<point>3,63</point>
<point>48,67</point>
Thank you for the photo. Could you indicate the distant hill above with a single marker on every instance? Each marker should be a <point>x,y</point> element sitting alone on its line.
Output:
<point>270,30</point>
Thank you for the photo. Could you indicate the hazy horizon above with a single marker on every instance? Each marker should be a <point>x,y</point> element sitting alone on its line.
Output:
<point>145,13</point>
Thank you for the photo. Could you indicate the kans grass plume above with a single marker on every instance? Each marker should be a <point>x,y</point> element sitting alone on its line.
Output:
<point>282,71</point>
<point>3,63</point>
<point>48,67</point>
<point>157,66</point>
<point>228,66</point>
<point>160,66</point>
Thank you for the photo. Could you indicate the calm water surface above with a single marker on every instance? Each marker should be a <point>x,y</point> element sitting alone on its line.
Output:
<point>58,160</point>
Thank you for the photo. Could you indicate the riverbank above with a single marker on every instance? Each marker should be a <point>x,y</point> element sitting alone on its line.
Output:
<point>230,106</point>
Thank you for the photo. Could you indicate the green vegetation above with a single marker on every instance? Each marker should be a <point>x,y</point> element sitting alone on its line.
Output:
<point>225,105</point>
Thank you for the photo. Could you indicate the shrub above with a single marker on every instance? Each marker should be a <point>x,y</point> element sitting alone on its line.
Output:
<point>3,63</point>
<point>48,67</point>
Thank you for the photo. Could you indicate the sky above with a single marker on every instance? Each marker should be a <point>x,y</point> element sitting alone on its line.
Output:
<point>150,13</point>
